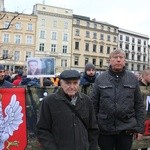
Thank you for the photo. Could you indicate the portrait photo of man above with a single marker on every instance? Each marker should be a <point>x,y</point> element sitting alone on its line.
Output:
<point>48,66</point>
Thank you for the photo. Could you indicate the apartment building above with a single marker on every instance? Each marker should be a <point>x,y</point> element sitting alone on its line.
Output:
<point>17,39</point>
<point>54,33</point>
<point>135,46</point>
<point>92,41</point>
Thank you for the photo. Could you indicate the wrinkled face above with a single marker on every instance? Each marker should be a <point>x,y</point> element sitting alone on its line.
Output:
<point>117,62</point>
<point>91,72</point>
<point>147,78</point>
<point>2,74</point>
<point>70,87</point>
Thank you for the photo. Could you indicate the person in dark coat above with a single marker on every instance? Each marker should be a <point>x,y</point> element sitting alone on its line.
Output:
<point>88,79</point>
<point>59,127</point>
<point>3,81</point>
<point>145,88</point>
<point>118,105</point>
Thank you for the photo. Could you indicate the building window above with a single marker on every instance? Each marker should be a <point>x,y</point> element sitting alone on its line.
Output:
<point>95,25</point>
<point>41,47</point>
<point>121,37</point>
<point>120,45</point>
<point>77,45</point>
<point>5,54</point>
<point>64,63</point>
<point>144,42</point>
<point>133,47</point>
<point>108,37</point>
<point>101,63</point>
<point>144,58</point>
<point>102,27</point>
<point>64,50</point>
<point>94,35</point>
<point>29,39</point>
<point>139,49</point>
<point>132,56</point>
<point>101,48</point>
<point>76,60</point>
<point>17,39</point>
<point>94,47</point>
<point>65,37</point>
<point>139,57</point>
<point>77,32</point>
<point>102,37</point>
<point>127,39</point>
<point>6,24</point>
<point>86,46</point>
<point>53,47</point>
<point>54,36</point>
<point>108,29</point>
<point>127,56</point>
<point>139,41</point>
<point>115,39</point>
<point>18,26</point>
<point>78,22</point>
<point>65,25</point>
<point>86,60</point>
<point>138,67</point>
<point>132,66</point>
<point>88,24</point>
<point>127,46</point>
<point>28,55</point>
<point>126,65</point>
<point>94,61</point>
<point>43,22</point>
<point>16,55</point>
<point>87,34</point>
<point>108,50</point>
<point>133,40</point>
<point>6,38</point>
<point>54,23</point>
<point>144,67</point>
<point>30,27</point>
<point>42,34</point>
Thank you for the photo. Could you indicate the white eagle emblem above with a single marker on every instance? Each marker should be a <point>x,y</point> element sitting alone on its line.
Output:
<point>11,121</point>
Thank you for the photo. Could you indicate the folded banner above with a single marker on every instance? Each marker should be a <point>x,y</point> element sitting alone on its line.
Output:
<point>13,133</point>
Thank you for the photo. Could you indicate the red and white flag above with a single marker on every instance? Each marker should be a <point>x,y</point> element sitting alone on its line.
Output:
<point>13,132</point>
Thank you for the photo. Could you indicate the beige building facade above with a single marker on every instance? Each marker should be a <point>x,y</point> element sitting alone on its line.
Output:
<point>54,35</point>
<point>92,41</point>
<point>17,39</point>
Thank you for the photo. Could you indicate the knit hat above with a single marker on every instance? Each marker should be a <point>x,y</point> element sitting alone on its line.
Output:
<point>2,67</point>
<point>89,66</point>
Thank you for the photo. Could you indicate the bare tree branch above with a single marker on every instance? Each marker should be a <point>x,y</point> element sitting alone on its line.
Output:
<point>9,22</point>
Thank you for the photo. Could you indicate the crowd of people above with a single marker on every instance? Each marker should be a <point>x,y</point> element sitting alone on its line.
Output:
<point>91,111</point>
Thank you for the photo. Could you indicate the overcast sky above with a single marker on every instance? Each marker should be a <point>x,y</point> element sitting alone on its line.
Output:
<point>133,15</point>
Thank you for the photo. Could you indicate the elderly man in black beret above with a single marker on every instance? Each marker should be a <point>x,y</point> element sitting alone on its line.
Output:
<point>67,119</point>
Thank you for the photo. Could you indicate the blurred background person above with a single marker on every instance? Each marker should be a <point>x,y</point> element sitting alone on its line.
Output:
<point>88,78</point>
<point>3,81</point>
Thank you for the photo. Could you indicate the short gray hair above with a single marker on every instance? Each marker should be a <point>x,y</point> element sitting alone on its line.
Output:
<point>117,51</point>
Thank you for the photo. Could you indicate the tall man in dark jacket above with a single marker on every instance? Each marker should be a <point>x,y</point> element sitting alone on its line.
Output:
<point>59,127</point>
<point>119,105</point>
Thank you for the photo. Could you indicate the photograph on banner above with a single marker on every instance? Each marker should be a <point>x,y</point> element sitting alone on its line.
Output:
<point>41,67</point>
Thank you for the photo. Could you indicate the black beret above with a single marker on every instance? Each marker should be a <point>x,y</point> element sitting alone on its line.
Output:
<point>70,75</point>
